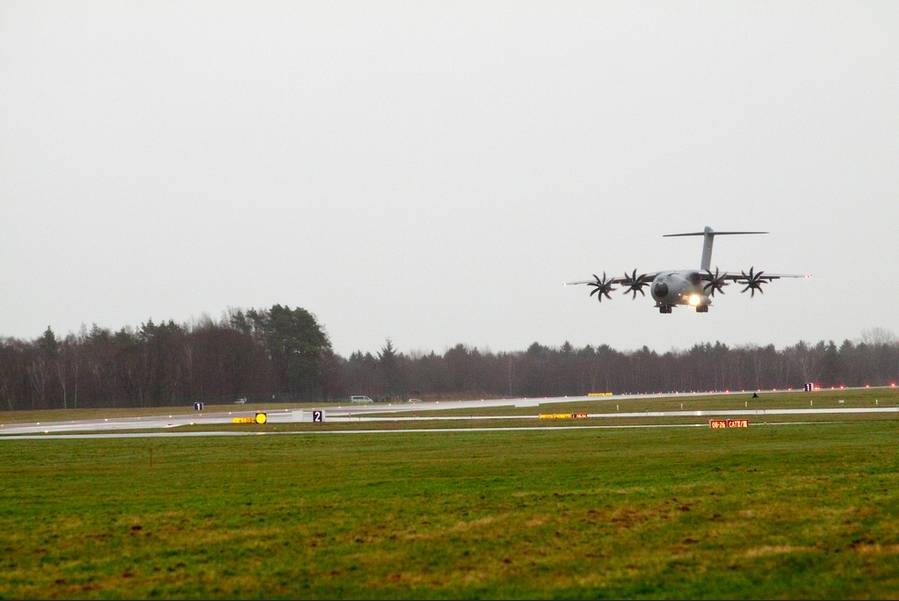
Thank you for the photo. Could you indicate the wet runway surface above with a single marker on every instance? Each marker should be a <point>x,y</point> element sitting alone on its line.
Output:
<point>170,424</point>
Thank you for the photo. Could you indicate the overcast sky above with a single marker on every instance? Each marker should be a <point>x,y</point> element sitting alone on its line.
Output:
<point>432,172</point>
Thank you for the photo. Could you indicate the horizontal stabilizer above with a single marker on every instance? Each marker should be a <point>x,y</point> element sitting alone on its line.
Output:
<point>708,235</point>
<point>711,232</point>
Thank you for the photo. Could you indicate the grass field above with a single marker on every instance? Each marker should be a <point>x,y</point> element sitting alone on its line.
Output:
<point>801,511</point>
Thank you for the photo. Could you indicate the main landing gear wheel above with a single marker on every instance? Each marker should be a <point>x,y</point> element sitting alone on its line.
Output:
<point>665,309</point>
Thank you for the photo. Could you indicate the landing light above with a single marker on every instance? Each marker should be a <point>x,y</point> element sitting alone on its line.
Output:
<point>694,299</point>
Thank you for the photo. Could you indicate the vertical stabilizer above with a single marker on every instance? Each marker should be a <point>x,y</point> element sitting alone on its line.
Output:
<point>708,237</point>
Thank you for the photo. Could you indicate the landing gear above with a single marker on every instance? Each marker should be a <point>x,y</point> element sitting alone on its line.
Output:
<point>702,308</point>
<point>664,308</point>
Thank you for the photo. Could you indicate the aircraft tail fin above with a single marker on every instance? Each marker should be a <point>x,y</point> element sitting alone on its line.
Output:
<point>708,236</point>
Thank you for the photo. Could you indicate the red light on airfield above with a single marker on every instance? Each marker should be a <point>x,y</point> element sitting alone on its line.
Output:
<point>842,387</point>
<point>867,386</point>
<point>892,385</point>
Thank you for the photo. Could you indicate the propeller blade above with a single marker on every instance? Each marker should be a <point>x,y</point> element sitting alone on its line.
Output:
<point>753,281</point>
<point>601,287</point>
<point>634,283</point>
<point>716,282</point>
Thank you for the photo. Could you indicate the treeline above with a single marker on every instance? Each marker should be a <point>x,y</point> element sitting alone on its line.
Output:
<point>284,354</point>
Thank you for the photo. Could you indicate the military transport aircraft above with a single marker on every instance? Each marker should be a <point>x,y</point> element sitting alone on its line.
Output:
<point>691,287</point>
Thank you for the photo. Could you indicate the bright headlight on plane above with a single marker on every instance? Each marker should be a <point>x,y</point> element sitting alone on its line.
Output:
<point>694,299</point>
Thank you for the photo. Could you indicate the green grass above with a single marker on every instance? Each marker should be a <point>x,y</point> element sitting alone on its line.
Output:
<point>797,511</point>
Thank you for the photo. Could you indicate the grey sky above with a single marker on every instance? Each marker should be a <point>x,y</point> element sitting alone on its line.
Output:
<point>432,172</point>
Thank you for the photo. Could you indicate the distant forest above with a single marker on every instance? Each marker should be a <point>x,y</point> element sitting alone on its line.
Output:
<point>284,354</point>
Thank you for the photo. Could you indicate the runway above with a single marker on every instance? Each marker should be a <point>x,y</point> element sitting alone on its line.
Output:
<point>333,413</point>
<point>171,423</point>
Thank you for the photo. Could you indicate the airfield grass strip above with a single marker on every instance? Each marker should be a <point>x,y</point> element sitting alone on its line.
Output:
<point>802,511</point>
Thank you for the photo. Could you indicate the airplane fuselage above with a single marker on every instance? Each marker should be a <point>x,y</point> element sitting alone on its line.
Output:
<point>679,287</point>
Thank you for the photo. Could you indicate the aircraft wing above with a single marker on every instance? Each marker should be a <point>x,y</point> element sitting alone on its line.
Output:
<point>732,276</point>
<point>753,280</point>
<point>625,279</point>
<point>603,286</point>
<point>741,276</point>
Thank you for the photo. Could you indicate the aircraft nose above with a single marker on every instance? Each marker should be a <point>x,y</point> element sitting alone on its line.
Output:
<point>660,289</point>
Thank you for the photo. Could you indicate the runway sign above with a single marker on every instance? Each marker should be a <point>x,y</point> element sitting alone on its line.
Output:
<point>563,416</point>
<point>260,418</point>
<point>599,394</point>
<point>728,423</point>
<point>318,415</point>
